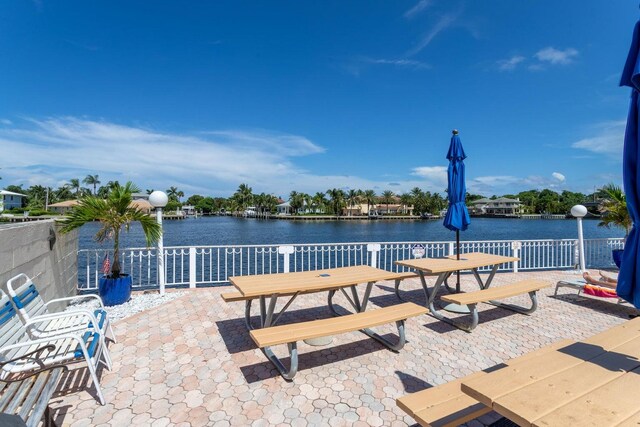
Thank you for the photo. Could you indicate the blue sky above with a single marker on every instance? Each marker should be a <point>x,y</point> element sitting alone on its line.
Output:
<point>306,96</point>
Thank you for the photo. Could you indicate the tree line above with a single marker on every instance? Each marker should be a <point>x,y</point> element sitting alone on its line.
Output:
<point>334,201</point>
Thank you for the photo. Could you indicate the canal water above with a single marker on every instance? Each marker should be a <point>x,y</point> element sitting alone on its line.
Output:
<point>248,231</point>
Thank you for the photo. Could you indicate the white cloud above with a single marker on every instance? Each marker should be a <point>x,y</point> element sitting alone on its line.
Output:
<point>443,23</point>
<point>511,63</point>
<point>557,175</point>
<point>556,56</point>
<point>52,151</point>
<point>6,122</point>
<point>436,176</point>
<point>608,139</point>
<point>418,8</point>
<point>403,63</point>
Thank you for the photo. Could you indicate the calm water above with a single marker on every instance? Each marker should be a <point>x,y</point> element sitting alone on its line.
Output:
<point>240,231</point>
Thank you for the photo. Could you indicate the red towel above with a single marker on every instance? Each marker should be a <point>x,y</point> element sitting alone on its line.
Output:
<point>597,291</point>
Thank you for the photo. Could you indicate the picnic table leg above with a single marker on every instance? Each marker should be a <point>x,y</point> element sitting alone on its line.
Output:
<point>391,346</point>
<point>287,374</point>
<point>487,283</point>
<point>431,296</point>
<point>517,308</point>
<point>247,314</point>
<point>354,300</point>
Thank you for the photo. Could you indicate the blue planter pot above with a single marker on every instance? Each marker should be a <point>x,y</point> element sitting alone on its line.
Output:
<point>115,291</point>
<point>617,256</point>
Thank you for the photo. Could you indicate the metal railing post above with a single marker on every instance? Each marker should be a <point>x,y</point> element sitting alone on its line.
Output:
<point>374,248</point>
<point>451,248</point>
<point>192,267</point>
<point>286,251</point>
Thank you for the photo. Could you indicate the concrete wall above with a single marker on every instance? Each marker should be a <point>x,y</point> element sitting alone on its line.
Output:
<point>24,248</point>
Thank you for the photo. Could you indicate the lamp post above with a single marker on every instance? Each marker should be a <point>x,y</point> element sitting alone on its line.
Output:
<point>159,200</point>
<point>579,212</point>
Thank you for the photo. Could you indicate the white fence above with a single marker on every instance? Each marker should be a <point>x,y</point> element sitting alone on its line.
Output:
<point>213,265</point>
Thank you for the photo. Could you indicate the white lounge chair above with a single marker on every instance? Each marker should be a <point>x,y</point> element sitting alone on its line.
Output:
<point>33,312</point>
<point>20,354</point>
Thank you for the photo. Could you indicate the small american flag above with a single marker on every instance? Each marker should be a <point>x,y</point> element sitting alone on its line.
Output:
<point>106,265</point>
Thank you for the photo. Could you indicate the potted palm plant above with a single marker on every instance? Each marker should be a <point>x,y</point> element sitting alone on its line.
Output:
<point>114,213</point>
<point>614,213</point>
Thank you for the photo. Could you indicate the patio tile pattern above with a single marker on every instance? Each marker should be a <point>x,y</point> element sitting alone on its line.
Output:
<point>191,362</point>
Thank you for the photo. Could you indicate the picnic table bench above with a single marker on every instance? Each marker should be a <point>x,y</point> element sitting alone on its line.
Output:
<point>292,333</point>
<point>445,267</point>
<point>273,286</point>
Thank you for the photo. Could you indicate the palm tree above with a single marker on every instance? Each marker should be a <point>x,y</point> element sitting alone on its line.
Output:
<point>387,198</point>
<point>296,200</point>
<point>115,214</point>
<point>353,197</point>
<point>614,209</point>
<point>318,202</point>
<point>92,180</point>
<point>245,195</point>
<point>180,194</point>
<point>370,197</point>
<point>172,193</point>
<point>74,184</point>
<point>336,198</point>
<point>405,199</point>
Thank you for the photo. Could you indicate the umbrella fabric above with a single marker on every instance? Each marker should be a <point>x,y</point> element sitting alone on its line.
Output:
<point>629,278</point>
<point>457,217</point>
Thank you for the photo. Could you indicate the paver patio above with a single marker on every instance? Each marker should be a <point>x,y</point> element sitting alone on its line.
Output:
<point>192,362</point>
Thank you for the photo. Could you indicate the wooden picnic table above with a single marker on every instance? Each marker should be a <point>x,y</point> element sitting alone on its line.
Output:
<point>445,267</point>
<point>273,286</point>
<point>589,383</point>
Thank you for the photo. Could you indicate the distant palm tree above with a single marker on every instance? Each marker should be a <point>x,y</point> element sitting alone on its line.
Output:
<point>92,180</point>
<point>405,199</point>
<point>336,198</point>
<point>149,191</point>
<point>74,184</point>
<point>319,201</point>
<point>172,193</point>
<point>370,197</point>
<point>296,201</point>
<point>387,198</point>
<point>353,198</point>
<point>245,195</point>
<point>180,194</point>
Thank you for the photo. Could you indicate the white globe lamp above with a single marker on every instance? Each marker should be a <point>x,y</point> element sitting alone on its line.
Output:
<point>158,199</point>
<point>579,212</point>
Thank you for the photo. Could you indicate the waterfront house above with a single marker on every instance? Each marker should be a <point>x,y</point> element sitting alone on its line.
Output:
<point>63,207</point>
<point>284,208</point>
<point>502,206</point>
<point>11,200</point>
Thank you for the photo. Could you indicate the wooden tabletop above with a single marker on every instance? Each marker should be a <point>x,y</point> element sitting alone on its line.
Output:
<point>308,281</point>
<point>466,262</point>
<point>592,382</point>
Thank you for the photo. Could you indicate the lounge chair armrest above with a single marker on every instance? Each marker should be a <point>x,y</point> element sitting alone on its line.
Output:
<point>48,347</point>
<point>77,297</point>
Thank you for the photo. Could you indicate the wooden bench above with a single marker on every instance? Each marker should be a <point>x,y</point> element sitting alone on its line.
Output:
<point>490,295</point>
<point>292,333</point>
<point>26,400</point>
<point>447,405</point>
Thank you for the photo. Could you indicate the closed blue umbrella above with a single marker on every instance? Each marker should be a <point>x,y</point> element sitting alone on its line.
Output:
<point>457,217</point>
<point>628,286</point>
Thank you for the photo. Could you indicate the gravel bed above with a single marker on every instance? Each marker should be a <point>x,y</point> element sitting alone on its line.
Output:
<point>137,303</point>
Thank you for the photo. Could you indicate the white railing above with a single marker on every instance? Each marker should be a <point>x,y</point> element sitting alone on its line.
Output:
<point>192,266</point>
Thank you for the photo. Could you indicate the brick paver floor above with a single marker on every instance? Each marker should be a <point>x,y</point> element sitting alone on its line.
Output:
<point>192,362</point>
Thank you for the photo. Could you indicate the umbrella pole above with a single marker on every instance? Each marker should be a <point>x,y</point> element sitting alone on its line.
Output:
<point>458,258</point>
